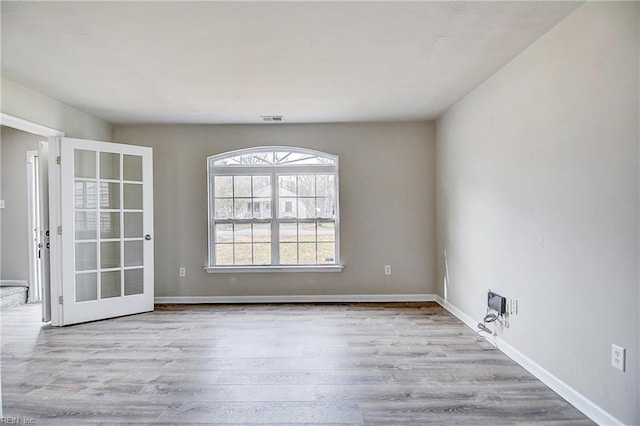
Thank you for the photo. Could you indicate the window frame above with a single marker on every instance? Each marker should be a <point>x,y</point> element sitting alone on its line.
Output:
<point>274,171</point>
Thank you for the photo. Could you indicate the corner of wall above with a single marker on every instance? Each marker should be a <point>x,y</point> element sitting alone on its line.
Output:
<point>28,104</point>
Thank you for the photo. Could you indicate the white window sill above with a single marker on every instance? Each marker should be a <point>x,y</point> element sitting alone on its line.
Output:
<point>245,269</point>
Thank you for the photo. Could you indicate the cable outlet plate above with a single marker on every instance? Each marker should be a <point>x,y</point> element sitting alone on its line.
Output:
<point>618,355</point>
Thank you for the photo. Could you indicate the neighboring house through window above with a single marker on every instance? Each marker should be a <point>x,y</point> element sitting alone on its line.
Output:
<point>273,207</point>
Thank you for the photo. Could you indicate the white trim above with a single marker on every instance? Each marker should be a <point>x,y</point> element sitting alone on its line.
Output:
<point>271,269</point>
<point>28,126</point>
<point>328,298</point>
<point>31,226</point>
<point>572,396</point>
<point>55,240</point>
<point>470,322</point>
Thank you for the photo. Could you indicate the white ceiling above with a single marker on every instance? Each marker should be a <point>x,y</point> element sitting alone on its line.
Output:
<point>231,62</point>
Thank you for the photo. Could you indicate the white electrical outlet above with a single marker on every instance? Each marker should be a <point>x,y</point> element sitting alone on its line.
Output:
<point>182,272</point>
<point>618,355</point>
<point>387,269</point>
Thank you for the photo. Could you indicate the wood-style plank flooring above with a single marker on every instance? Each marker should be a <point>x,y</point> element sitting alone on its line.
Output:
<point>268,364</point>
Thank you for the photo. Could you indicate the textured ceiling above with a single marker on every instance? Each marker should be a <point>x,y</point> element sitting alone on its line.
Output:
<point>232,62</point>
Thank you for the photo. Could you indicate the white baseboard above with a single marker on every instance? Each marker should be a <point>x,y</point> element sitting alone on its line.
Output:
<point>586,406</point>
<point>470,322</point>
<point>331,298</point>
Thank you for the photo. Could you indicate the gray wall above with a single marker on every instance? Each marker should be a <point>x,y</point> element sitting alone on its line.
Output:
<point>22,102</point>
<point>14,248</point>
<point>538,199</point>
<point>386,202</point>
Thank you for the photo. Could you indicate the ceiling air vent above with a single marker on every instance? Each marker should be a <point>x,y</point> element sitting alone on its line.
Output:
<point>271,118</point>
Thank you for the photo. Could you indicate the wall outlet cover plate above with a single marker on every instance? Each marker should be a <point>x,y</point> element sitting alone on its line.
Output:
<point>618,355</point>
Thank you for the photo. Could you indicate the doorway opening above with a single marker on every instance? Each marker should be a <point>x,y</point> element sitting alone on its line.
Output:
<point>24,235</point>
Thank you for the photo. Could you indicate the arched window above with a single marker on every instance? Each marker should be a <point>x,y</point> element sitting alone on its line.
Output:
<point>274,208</point>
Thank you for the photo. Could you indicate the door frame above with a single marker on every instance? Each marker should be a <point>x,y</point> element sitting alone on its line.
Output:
<point>53,136</point>
<point>34,227</point>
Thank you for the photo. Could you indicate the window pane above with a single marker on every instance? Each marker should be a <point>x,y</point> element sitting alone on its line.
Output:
<point>86,256</point>
<point>307,231</point>
<point>288,253</point>
<point>243,208</point>
<point>110,225</point>
<point>109,195</point>
<point>132,170</point>
<point>325,185</point>
<point>287,186</point>
<point>325,207</point>
<point>288,232</point>
<point>307,253</point>
<point>287,208</point>
<point>306,185</point>
<point>86,226</point>
<point>85,195</point>
<point>86,287</point>
<point>261,186</point>
<point>242,233</point>
<point>224,233</point>
<point>224,208</point>
<point>110,255</point>
<point>242,186</point>
<point>110,284</point>
<point>132,196</point>
<point>242,253</point>
<point>132,225</point>
<point>223,186</point>
<point>272,157</point>
<point>133,281</point>
<point>224,254</point>
<point>326,231</point>
<point>262,208</point>
<point>301,158</point>
<point>261,233</point>
<point>133,253</point>
<point>307,208</point>
<point>262,254</point>
<point>326,253</point>
<point>109,165</point>
<point>84,163</point>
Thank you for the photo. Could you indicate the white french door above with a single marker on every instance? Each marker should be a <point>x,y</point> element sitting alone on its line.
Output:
<point>106,193</point>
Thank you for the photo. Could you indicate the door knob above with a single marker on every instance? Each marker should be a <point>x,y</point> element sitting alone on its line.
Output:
<point>147,237</point>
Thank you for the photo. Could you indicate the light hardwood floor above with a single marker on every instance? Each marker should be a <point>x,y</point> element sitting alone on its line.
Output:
<point>258,364</point>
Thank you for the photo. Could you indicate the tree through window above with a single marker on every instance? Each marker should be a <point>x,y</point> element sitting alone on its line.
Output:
<point>273,206</point>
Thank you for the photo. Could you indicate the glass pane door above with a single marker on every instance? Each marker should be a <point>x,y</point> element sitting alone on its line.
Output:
<point>109,235</point>
<point>111,207</point>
